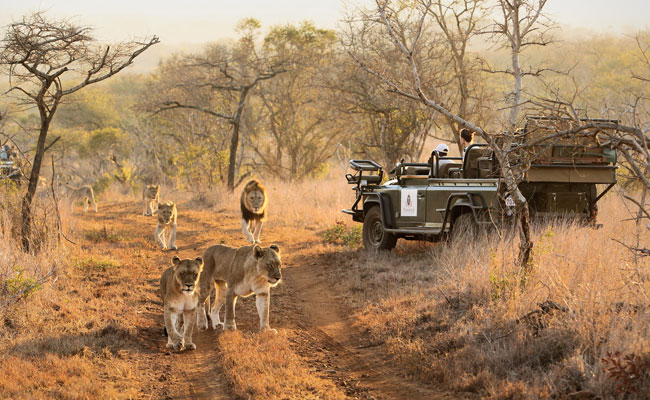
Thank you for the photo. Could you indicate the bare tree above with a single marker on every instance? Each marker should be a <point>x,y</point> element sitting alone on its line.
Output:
<point>390,126</point>
<point>415,89</point>
<point>522,24</point>
<point>459,22</point>
<point>232,73</point>
<point>47,60</point>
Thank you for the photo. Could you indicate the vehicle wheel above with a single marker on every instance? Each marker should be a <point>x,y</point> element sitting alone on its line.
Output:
<point>464,227</point>
<point>374,236</point>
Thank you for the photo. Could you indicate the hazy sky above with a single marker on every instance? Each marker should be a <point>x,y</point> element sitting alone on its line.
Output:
<point>206,20</point>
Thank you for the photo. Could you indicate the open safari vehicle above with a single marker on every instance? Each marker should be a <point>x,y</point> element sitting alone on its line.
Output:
<point>429,201</point>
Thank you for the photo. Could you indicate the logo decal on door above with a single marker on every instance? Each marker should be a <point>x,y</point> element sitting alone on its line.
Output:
<point>409,204</point>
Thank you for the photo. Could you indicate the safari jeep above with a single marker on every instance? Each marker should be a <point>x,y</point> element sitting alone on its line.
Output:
<point>429,201</point>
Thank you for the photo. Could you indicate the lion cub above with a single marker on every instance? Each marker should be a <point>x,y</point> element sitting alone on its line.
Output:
<point>150,199</point>
<point>179,292</point>
<point>234,273</point>
<point>165,233</point>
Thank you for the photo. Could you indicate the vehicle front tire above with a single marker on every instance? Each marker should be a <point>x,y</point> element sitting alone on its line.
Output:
<point>374,236</point>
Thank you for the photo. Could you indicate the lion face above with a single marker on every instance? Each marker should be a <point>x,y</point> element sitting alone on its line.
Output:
<point>166,212</point>
<point>269,264</point>
<point>255,200</point>
<point>187,273</point>
<point>152,191</point>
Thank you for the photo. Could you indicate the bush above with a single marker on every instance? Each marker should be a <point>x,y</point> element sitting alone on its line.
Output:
<point>97,264</point>
<point>341,234</point>
<point>19,284</point>
<point>104,235</point>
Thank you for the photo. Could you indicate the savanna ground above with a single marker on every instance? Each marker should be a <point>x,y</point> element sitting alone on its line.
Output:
<point>425,321</point>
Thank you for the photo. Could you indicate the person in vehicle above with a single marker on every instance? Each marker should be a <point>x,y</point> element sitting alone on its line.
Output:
<point>5,152</point>
<point>466,139</point>
<point>442,150</point>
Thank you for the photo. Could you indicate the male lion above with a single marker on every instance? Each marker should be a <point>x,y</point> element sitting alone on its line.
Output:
<point>83,193</point>
<point>253,210</point>
<point>165,233</point>
<point>179,292</point>
<point>150,199</point>
<point>234,273</point>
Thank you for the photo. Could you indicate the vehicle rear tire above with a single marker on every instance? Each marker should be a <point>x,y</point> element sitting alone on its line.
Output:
<point>374,236</point>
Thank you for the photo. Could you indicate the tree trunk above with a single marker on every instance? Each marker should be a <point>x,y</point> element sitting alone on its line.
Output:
<point>232,161</point>
<point>234,141</point>
<point>522,209</point>
<point>26,228</point>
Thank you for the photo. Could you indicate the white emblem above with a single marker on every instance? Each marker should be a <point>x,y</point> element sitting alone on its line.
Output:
<point>409,207</point>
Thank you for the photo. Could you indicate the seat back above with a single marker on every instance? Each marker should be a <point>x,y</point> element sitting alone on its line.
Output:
<point>443,172</point>
<point>473,157</point>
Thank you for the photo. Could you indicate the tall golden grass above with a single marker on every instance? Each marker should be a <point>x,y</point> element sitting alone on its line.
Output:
<point>464,317</point>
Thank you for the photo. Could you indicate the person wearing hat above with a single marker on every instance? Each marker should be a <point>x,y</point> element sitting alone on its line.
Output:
<point>6,153</point>
<point>442,150</point>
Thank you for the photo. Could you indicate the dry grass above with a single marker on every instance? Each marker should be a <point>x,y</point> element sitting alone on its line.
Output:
<point>272,371</point>
<point>312,204</point>
<point>76,326</point>
<point>452,314</point>
<point>93,328</point>
<point>455,316</point>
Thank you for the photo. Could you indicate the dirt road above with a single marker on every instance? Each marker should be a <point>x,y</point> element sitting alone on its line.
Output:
<point>306,308</point>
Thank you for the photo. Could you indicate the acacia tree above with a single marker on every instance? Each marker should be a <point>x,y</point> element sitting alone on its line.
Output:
<point>47,60</point>
<point>222,79</point>
<point>297,130</point>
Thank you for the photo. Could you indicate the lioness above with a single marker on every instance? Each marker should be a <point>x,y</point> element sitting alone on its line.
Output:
<point>165,233</point>
<point>234,273</point>
<point>253,210</point>
<point>150,199</point>
<point>179,292</point>
<point>83,193</point>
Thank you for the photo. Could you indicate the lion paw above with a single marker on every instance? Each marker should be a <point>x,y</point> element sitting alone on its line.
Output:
<point>178,346</point>
<point>230,326</point>
<point>221,324</point>
<point>258,241</point>
<point>190,346</point>
<point>202,325</point>
<point>269,330</point>
<point>173,247</point>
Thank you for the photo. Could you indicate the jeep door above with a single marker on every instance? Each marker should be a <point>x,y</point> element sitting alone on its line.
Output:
<point>437,195</point>
<point>410,202</point>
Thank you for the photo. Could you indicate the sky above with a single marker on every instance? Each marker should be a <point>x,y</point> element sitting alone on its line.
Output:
<point>197,21</point>
<point>185,25</point>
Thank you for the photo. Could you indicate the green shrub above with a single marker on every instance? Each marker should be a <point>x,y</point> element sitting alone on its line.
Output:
<point>97,264</point>
<point>104,235</point>
<point>21,284</point>
<point>341,234</point>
